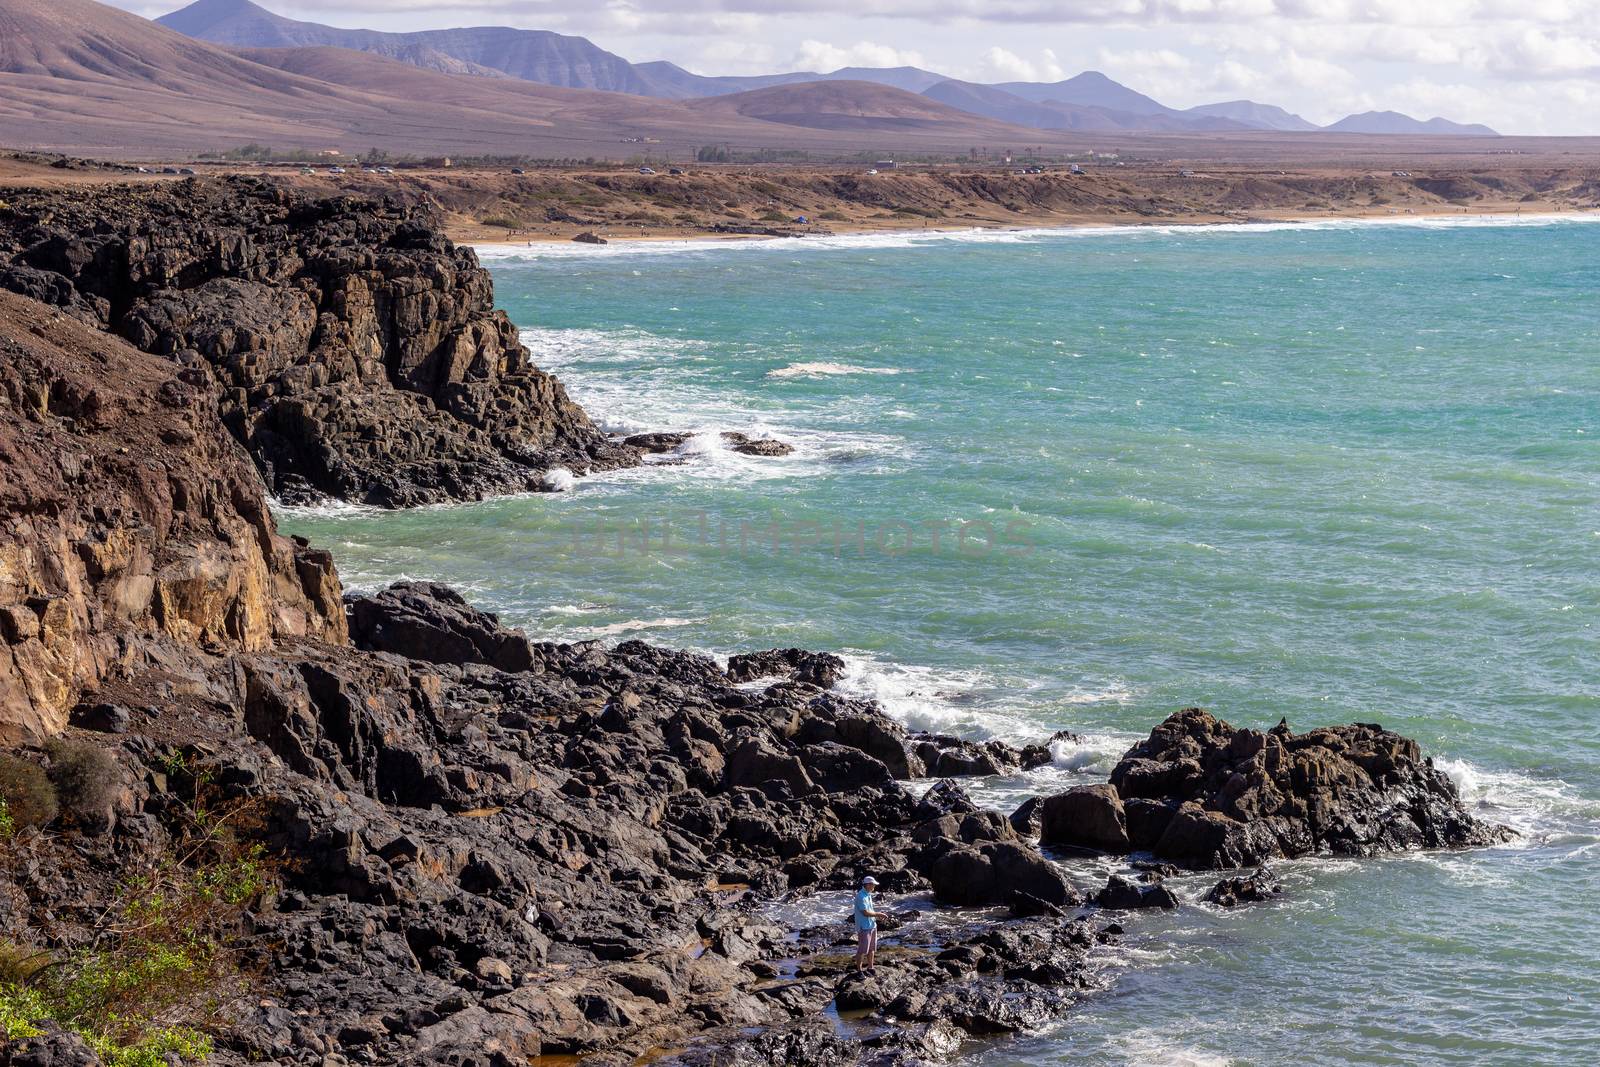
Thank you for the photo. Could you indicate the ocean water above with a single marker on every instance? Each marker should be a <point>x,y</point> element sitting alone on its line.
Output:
<point>1076,480</point>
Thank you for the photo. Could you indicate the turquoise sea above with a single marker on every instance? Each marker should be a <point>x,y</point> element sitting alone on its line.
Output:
<point>1078,479</point>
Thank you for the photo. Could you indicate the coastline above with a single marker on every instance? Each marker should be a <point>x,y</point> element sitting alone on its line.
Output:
<point>604,825</point>
<point>700,237</point>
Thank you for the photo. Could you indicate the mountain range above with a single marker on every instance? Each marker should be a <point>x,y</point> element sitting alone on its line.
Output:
<point>1090,101</point>
<point>81,77</point>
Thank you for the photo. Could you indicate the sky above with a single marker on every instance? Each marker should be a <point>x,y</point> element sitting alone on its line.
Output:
<point>1521,66</point>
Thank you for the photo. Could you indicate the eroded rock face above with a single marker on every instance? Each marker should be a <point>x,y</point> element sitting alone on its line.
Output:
<point>1205,794</point>
<point>356,351</point>
<point>130,523</point>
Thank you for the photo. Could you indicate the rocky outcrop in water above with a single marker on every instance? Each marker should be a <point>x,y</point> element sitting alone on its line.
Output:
<point>1202,793</point>
<point>1253,888</point>
<point>356,352</point>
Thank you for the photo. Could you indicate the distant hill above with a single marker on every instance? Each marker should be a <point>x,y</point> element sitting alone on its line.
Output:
<point>850,105</point>
<point>1089,89</point>
<point>1254,115</point>
<point>1393,122</point>
<point>532,55</point>
<point>996,103</point>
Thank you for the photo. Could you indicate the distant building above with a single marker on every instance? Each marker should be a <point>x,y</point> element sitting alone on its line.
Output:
<point>884,164</point>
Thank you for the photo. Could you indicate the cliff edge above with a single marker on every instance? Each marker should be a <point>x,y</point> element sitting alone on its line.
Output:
<point>356,351</point>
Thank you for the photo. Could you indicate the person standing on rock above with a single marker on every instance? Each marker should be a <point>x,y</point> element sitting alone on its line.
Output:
<point>866,925</point>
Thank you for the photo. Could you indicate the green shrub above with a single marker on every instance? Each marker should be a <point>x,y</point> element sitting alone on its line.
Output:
<point>85,775</point>
<point>503,221</point>
<point>29,798</point>
<point>20,1009</point>
<point>157,969</point>
<point>774,216</point>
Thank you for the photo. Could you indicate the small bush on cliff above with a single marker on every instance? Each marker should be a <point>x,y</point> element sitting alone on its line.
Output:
<point>85,776</point>
<point>23,1008</point>
<point>157,968</point>
<point>26,795</point>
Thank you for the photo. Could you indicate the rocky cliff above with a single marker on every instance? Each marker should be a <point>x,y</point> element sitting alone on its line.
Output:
<point>356,352</point>
<point>132,527</point>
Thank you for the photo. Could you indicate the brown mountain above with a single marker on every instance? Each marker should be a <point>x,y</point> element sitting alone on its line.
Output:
<point>79,76</point>
<point>853,105</point>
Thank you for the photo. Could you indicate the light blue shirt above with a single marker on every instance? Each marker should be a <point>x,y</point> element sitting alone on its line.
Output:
<point>864,905</point>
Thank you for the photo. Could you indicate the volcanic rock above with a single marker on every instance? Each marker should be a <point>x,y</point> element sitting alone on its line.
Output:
<point>762,446</point>
<point>1212,795</point>
<point>1089,816</point>
<point>358,352</point>
<point>1123,894</point>
<point>1245,889</point>
<point>821,669</point>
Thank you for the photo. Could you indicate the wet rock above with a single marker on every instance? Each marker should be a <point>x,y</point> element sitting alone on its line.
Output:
<point>761,446</point>
<point>588,238</point>
<point>1027,818</point>
<point>946,756</point>
<point>1124,894</point>
<point>1245,889</point>
<point>1088,816</point>
<point>821,669</point>
<point>992,872</point>
<point>656,443</point>
<point>1203,794</point>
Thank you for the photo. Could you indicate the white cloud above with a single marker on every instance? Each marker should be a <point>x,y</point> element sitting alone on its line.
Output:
<point>821,56</point>
<point>1542,54</point>
<point>1001,65</point>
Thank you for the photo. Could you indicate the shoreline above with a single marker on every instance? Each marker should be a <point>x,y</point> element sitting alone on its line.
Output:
<point>1541,215</point>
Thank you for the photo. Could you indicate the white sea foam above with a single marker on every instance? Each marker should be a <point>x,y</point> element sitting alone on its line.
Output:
<point>974,703</point>
<point>632,381</point>
<point>553,348</point>
<point>925,698</point>
<point>1094,753</point>
<point>325,509</point>
<point>631,626</point>
<point>1537,808</point>
<point>825,370</point>
<point>500,253</point>
<point>1149,1048</point>
<point>573,609</point>
<point>559,480</point>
